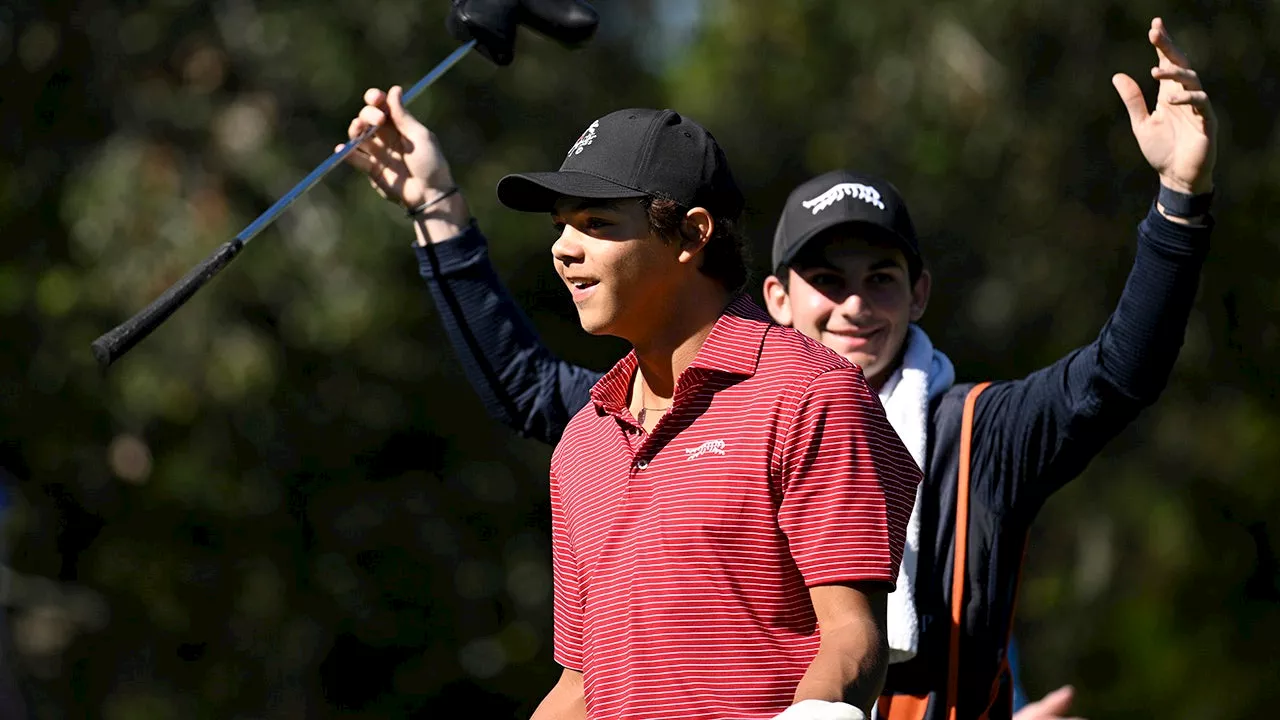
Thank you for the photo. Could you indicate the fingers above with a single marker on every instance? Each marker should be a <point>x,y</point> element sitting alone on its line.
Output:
<point>1198,99</point>
<point>1131,96</point>
<point>395,103</point>
<point>1166,51</point>
<point>371,116</point>
<point>357,159</point>
<point>410,128</point>
<point>1181,75</point>
<point>1058,702</point>
<point>403,132</point>
<point>1053,706</point>
<point>385,144</point>
<point>361,161</point>
<point>383,179</point>
<point>373,97</point>
<point>358,126</point>
<point>1175,67</point>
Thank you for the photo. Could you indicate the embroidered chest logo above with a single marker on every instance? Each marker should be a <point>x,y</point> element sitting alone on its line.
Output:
<point>584,139</point>
<point>838,192</point>
<point>710,447</point>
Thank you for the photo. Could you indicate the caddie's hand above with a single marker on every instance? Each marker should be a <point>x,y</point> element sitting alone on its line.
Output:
<point>402,159</point>
<point>1053,706</point>
<point>1178,138</point>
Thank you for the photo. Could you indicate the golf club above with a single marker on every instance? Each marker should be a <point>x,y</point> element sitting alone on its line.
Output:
<point>116,342</point>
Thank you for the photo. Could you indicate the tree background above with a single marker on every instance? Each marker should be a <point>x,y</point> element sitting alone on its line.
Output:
<point>288,502</point>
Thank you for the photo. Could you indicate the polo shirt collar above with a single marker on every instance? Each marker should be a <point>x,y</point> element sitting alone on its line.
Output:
<point>732,348</point>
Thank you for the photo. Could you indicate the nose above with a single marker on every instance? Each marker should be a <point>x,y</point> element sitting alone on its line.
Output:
<point>567,249</point>
<point>854,306</point>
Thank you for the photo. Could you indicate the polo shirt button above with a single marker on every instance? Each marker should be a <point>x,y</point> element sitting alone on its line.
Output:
<point>642,464</point>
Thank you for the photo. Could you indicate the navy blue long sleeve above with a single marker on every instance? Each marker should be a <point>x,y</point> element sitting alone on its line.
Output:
<point>1033,435</point>
<point>519,380</point>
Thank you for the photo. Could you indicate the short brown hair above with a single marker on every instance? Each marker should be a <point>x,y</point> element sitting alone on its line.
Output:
<point>724,257</point>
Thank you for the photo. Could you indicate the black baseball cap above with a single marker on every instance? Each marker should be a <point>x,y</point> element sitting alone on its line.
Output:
<point>631,154</point>
<point>838,198</point>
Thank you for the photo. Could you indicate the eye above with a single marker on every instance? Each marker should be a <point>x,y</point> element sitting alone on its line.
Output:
<point>881,278</point>
<point>596,223</point>
<point>824,279</point>
<point>558,227</point>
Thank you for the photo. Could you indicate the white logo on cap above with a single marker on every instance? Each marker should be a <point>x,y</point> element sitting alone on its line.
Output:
<point>866,193</point>
<point>584,139</point>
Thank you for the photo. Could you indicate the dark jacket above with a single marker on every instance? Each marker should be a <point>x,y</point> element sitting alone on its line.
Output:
<point>1031,435</point>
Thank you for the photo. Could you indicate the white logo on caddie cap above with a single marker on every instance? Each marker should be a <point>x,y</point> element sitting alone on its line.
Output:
<point>584,139</point>
<point>866,193</point>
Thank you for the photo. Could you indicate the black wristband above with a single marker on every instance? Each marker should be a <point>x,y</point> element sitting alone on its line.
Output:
<point>1182,205</point>
<point>414,213</point>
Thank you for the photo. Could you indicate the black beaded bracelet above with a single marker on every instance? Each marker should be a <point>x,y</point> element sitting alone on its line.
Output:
<point>1182,205</point>
<point>414,212</point>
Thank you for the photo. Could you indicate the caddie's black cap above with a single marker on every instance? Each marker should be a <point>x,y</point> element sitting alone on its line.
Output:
<point>630,154</point>
<point>840,197</point>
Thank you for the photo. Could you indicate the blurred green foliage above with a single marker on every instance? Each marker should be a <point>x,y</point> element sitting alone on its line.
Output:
<point>288,502</point>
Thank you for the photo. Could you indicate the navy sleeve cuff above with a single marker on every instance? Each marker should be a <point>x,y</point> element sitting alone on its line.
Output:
<point>1175,239</point>
<point>454,255</point>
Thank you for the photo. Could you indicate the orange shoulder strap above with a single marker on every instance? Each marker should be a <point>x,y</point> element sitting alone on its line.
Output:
<point>962,547</point>
<point>914,707</point>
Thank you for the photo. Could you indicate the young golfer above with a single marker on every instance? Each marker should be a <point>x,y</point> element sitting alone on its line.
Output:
<point>849,273</point>
<point>730,505</point>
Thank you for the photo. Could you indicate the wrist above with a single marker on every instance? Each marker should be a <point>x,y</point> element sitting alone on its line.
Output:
<point>448,218</point>
<point>1184,207</point>
<point>1199,186</point>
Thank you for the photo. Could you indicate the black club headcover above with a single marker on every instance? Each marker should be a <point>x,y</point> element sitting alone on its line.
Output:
<point>492,23</point>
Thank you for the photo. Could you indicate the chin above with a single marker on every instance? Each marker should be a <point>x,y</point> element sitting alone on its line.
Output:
<point>862,360</point>
<point>593,324</point>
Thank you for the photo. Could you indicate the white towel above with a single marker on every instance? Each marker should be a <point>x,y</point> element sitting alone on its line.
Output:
<point>925,374</point>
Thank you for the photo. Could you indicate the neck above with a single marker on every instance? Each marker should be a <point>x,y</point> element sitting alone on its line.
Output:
<point>678,335</point>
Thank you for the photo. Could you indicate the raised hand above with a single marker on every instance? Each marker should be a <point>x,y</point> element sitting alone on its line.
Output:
<point>406,166</point>
<point>1178,138</point>
<point>402,159</point>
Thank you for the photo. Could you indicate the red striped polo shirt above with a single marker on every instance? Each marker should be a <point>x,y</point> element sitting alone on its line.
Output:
<point>682,558</point>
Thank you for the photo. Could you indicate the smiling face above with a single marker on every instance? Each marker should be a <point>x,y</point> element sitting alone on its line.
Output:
<point>852,292</point>
<point>619,273</point>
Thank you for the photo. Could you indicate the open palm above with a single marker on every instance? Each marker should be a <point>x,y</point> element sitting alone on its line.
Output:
<point>1178,138</point>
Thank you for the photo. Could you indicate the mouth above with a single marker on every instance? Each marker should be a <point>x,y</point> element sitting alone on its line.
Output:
<point>856,338</point>
<point>581,288</point>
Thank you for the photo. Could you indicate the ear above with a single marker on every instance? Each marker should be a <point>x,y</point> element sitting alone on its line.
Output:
<point>777,301</point>
<point>920,295</point>
<point>695,231</point>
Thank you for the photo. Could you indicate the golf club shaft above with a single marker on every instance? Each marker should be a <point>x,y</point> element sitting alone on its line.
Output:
<point>116,342</point>
<point>332,161</point>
